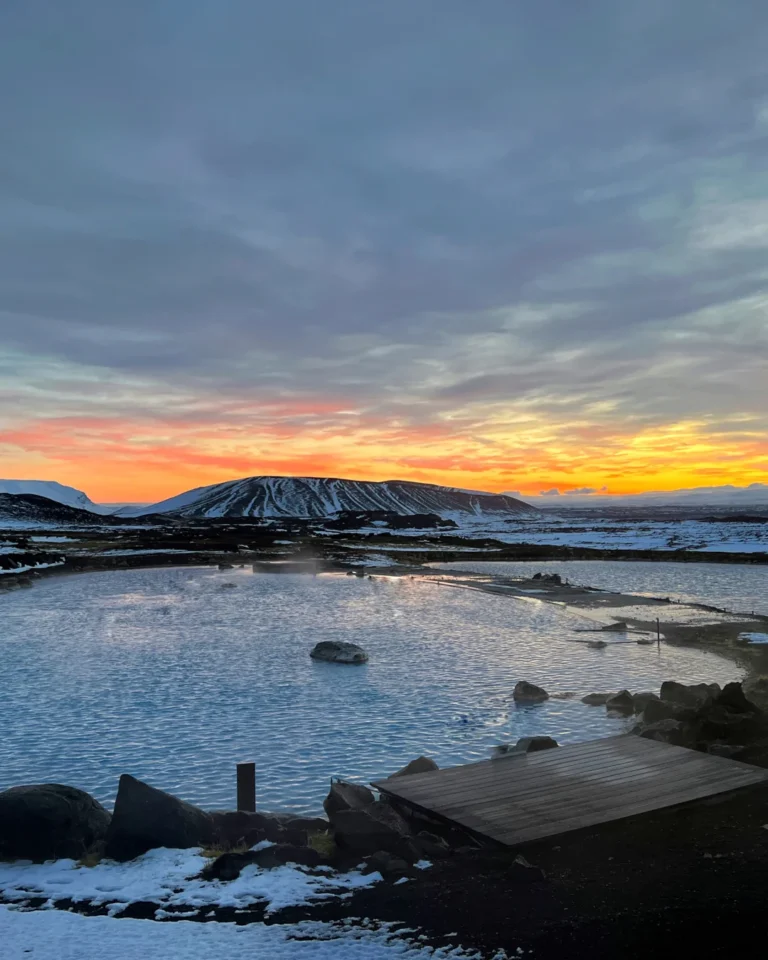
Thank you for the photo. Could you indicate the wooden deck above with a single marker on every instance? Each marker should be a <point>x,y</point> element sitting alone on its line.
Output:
<point>517,799</point>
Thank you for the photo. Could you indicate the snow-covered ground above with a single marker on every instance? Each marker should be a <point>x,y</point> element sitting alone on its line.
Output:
<point>100,667</point>
<point>609,534</point>
<point>168,878</point>
<point>56,935</point>
<point>742,588</point>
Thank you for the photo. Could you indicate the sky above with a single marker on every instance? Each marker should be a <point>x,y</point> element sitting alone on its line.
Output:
<point>507,245</point>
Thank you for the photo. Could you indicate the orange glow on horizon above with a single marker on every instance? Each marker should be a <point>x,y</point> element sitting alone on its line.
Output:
<point>115,460</point>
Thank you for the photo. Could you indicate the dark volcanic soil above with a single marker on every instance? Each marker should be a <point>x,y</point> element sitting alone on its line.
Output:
<point>686,882</point>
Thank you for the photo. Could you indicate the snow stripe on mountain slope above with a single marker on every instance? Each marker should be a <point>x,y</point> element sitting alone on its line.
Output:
<point>322,497</point>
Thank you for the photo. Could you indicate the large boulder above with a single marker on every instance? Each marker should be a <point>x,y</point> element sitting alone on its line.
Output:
<point>338,651</point>
<point>621,702</point>
<point>49,820</point>
<point>525,692</point>
<point>670,731</point>
<point>146,818</point>
<point>376,827</point>
<point>641,700</point>
<point>419,765</point>
<point>656,710</point>
<point>719,724</point>
<point>689,695</point>
<point>346,796</point>
<point>732,698</point>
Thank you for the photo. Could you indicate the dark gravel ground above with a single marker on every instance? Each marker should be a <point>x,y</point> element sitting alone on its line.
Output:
<point>686,882</point>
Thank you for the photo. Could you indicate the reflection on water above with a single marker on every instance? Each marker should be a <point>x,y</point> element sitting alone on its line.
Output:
<point>170,676</point>
<point>742,588</point>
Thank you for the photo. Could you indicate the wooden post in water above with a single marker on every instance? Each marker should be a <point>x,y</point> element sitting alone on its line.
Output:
<point>246,787</point>
<point>658,634</point>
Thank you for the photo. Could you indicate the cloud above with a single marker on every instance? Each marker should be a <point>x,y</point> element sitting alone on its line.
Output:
<point>554,492</point>
<point>203,209</point>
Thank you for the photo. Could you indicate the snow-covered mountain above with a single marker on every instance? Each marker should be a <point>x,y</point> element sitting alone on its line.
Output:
<point>20,509</point>
<point>52,491</point>
<point>323,497</point>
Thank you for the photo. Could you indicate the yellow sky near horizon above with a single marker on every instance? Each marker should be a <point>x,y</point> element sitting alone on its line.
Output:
<point>117,460</point>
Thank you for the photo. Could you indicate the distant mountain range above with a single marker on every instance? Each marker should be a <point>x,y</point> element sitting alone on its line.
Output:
<point>725,496</point>
<point>50,502</point>
<point>323,497</point>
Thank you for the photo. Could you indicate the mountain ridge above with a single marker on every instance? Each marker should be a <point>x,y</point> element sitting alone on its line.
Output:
<point>282,496</point>
<point>52,490</point>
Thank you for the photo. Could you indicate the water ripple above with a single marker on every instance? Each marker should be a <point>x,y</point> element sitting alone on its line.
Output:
<point>162,674</point>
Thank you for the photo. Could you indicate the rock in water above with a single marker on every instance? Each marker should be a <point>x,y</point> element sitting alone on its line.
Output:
<point>146,818</point>
<point>338,651</point>
<point>525,692</point>
<point>641,700</point>
<point>346,796</point>
<point>597,699</point>
<point>49,820</point>
<point>419,765</point>
<point>621,702</point>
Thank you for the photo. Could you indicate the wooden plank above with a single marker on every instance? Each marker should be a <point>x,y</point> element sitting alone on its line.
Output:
<point>521,798</point>
<point>522,787</point>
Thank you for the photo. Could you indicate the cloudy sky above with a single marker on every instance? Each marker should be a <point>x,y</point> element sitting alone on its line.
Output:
<point>505,244</point>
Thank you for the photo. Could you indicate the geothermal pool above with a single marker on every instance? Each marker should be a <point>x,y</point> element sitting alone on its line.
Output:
<point>174,675</point>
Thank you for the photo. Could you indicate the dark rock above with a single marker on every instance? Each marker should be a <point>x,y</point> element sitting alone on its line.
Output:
<point>597,699</point>
<point>688,695</point>
<point>305,825</point>
<point>49,820</point>
<point>346,796</point>
<point>235,828</point>
<point>656,710</point>
<point>548,577</point>
<point>388,866</point>
<point>732,698</point>
<point>729,751</point>
<point>369,829</point>
<point>226,566</point>
<point>146,818</point>
<point>533,744</point>
<point>282,853</point>
<point>597,644</point>
<point>720,724</point>
<point>339,651</point>
<point>525,692</point>
<point>228,866</point>
<point>419,765</point>
<point>670,731</point>
<point>430,846</point>
<point>621,702</point>
<point>641,700</point>
<point>618,627</point>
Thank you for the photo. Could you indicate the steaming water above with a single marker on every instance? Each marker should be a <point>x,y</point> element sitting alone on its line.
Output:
<point>173,676</point>
<point>738,587</point>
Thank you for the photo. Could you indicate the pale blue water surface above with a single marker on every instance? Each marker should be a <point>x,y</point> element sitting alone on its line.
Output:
<point>173,677</point>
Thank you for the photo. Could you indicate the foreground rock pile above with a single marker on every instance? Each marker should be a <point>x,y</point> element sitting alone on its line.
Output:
<point>50,821</point>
